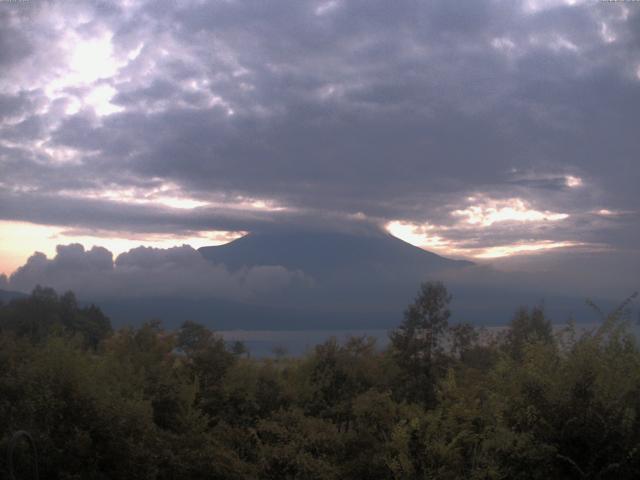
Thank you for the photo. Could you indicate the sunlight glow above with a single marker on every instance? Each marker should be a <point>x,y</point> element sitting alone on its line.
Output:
<point>535,6</point>
<point>572,181</point>
<point>509,250</point>
<point>89,61</point>
<point>184,203</point>
<point>19,240</point>
<point>247,203</point>
<point>605,212</point>
<point>64,155</point>
<point>419,236</point>
<point>100,99</point>
<point>431,237</point>
<point>73,106</point>
<point>168,195</point>
<point>171,195</point>
<point>491,211</point>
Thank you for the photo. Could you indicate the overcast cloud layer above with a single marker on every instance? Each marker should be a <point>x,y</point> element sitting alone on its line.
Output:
<point>474,126</point>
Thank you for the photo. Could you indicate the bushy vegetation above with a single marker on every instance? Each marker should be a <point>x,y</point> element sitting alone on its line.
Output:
<point>442,401</point>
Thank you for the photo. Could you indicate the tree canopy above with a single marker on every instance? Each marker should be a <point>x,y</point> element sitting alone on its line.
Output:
<point>443,401</point>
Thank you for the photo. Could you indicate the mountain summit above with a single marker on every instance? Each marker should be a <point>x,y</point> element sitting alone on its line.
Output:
<point>324,255</point>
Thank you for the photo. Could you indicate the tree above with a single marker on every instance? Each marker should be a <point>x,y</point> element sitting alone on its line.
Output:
<point>280,351</point>
<point>417,345</point>
<point>44,313</point>
<point>294,446</point>
<point>193,337</point>
<point>337,374</point>
<point>526,328</point>
<point>464,338</point>
<point>238,348</point>
<point>208,359</point>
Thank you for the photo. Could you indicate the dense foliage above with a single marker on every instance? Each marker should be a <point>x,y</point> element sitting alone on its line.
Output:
<point>442,401</point>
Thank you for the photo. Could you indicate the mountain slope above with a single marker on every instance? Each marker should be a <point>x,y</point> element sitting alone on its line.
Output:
<point>8,295</point>
<point>328,254</point>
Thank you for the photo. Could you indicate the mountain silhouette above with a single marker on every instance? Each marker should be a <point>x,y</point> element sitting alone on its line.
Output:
<point>326,255</point>
<point>367,280</point>
<point>8,295</point>
<point>341,281</point>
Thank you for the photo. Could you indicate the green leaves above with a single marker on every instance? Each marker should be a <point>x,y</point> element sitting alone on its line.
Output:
<point>417,345</point>
<point>441,402</point>
<point>44,313</point>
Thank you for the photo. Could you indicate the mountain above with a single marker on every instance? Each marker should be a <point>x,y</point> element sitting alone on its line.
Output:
<point>367,280</point>
<point>7,295</point>
<point>328,255</point>
<point>332,281</point>
<point>354,281</point>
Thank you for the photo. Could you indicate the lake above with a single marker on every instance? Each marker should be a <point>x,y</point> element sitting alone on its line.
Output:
<point>262,343</point>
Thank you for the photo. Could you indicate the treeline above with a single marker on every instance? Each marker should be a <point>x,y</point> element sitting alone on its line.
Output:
<point>442,401</point>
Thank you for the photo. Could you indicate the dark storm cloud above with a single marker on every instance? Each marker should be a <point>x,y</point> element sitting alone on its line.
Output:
<point>99,214</point>
<point>395,110</point>
<point>103,214</point>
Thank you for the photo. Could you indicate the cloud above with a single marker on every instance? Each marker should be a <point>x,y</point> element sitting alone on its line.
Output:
<point>178,272</point>
<point>339,113</point>
<point>180,277</point>
<point>486,212</point>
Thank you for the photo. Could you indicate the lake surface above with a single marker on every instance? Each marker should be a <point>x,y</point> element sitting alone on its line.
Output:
<point>263,343</point>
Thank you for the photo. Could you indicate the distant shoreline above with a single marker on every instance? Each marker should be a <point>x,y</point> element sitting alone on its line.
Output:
<point>262,343</point>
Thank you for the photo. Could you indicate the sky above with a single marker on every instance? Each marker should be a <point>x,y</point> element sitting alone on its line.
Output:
<point>497,131</point>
